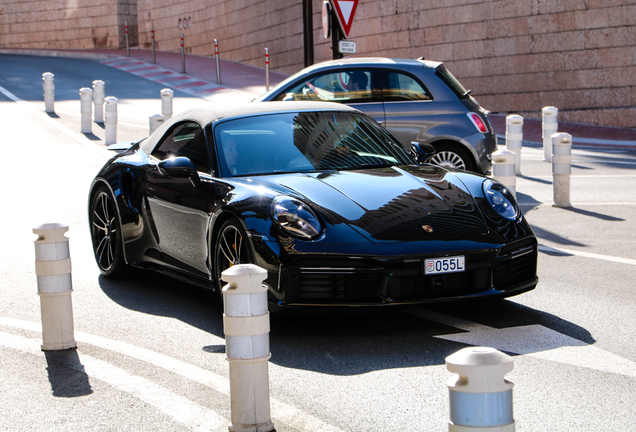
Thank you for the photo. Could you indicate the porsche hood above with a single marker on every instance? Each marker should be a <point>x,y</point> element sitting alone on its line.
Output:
<point>394,203</point>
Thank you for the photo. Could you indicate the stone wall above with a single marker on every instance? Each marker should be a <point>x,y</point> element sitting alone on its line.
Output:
<point>66,23</point>
<point>516,55</point>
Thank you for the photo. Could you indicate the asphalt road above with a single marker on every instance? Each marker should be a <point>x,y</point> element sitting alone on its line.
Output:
<point>151,350</point>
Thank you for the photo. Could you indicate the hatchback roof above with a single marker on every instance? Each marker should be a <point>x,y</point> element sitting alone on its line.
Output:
<point>375,61</point>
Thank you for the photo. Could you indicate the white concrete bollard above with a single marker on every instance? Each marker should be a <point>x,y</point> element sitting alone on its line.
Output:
<point>246,327</point>
<point>110,119</point>
<point>561,168</point>
<point>48,85</point>
<point>53,270</point>
<point>86,108</point>
<point>155,121</point>
<point>514,138</point>
<point>99,93</point>
<point>480,396</point>
<point>503,169</point>
<point>166,103</point>
<point>549,126</point>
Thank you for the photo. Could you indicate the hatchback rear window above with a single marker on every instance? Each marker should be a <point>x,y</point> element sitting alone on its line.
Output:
<point>451,82</point>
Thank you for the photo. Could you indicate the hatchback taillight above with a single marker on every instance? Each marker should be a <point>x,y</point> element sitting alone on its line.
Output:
<point>478,122</point>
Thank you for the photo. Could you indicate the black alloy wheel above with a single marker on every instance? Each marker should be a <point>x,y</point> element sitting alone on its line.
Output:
<point>452,156</point>
<point>106,234</point>
<point>231,248</point>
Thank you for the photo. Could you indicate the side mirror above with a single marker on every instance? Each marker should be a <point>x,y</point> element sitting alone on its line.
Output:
<point>421,151</point>
<point>180,167</point>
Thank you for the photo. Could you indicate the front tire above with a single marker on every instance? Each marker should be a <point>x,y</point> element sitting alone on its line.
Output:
<point>106,234</point>
<point>231,248</point>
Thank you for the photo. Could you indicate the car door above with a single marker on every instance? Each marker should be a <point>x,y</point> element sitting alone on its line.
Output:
<point>408,107</point>
<point>356,87</point>
<point>179,206</point>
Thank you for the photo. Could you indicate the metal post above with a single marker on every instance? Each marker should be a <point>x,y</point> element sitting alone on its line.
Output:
<point>503,169</point>
<point>53,270</point>
<point>218,65</point>
<point>152,42</point>
<point>48,85</point>
<point>335,36</point>
<point>182,55</point>
<point>550,126</point>
<point>86,109</point>
<point>166,103</point>
<point>127,45</point>
<point>111,120</point>
<point>154,122</point>
<point>480,396</point>
<point>514,138</point>
<point>99,93</point>
<point>266,69</point>
<point>561,168</point>
<point>246,327</point>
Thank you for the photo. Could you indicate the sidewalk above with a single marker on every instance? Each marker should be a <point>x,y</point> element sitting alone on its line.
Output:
<point>250,81</point>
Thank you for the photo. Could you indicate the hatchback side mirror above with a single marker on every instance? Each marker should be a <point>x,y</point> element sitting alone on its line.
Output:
<point>421,152</point>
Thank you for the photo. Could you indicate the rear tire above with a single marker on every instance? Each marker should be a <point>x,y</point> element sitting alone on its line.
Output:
<point>452,156</point>
<point>106,234</point>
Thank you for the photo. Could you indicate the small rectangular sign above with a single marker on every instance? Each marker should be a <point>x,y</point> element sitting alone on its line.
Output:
<point>347,47</point>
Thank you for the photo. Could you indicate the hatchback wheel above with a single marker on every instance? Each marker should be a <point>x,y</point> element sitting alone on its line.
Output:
<point>452,156</point>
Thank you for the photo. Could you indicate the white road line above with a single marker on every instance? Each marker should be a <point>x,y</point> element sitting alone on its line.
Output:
<point>532,340</point>
<point>281,411</point>
<point>578,205</point>
<point>81,139</point>
<point>560,251</point>
<point>181,409</point>
<point>118,122</point>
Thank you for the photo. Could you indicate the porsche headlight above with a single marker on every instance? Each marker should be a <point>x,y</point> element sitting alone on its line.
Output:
<point>295,218</point>
<point>501,199</point>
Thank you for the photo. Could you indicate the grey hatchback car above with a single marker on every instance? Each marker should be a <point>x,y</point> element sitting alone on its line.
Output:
<point>415,100</point>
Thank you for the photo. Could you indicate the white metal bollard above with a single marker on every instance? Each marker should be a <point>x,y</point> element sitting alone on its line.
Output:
<point>86,108</point>
<point>166,103</point>
<point>99,93</point>
<point>503,169</point>
<point>549,126</point>
<point>53,270</point>
<point>155,121</point>
<point>111,119</point>
<point>480,396</point>
<point>246,327</point>
<point>561,168</point>
<point>48,85</point>
<point>266,69</point>
<point>514,138</point>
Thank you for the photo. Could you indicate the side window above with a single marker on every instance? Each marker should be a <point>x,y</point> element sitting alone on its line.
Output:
<point>185,139</point>
<point>352,86</point>
<point>402,87</point>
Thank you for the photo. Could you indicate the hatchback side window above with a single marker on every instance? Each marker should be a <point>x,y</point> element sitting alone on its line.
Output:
<point>185,139</point>
<point>352,86</point>
<point>402,87</point>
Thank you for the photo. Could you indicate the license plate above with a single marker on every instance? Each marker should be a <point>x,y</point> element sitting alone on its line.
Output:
<point>444,265</point>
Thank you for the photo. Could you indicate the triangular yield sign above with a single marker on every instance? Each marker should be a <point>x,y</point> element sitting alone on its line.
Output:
<point>346,11</point>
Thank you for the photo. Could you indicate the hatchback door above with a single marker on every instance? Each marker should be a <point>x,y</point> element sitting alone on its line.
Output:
<point>357,87</point>
<point>409,108</point>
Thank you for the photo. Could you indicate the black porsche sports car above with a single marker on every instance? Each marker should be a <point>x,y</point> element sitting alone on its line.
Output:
<point>319,195</point>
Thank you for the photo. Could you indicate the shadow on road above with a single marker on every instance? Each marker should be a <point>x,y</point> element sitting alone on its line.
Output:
<point>337,341</point>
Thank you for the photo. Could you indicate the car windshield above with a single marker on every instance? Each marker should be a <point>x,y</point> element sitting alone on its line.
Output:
<point>304,142</point>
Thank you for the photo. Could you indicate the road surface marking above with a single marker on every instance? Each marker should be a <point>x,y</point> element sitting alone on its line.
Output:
<point>532,340</point>
<point>549,249</point>
<point>81,139</point>
<point>181,409</point>
<point>280,411</point>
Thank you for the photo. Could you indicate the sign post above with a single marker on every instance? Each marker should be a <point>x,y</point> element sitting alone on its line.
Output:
<point>342,13</point>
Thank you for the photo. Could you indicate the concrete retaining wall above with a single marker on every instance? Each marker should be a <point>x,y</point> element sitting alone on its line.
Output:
<point>516,55</point>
